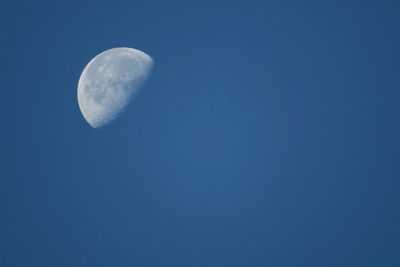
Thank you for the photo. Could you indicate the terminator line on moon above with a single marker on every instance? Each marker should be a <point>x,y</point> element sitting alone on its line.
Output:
<point>109,81</point>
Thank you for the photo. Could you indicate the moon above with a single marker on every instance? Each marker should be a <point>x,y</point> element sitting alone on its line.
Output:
<point>110,81</point>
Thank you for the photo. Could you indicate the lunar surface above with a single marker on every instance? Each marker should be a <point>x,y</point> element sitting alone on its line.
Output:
<point>110,81</point>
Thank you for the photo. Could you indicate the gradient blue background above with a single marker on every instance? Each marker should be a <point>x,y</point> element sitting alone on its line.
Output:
<point>268,135</point>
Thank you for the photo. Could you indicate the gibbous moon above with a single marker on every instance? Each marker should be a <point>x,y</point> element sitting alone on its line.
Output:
<point>110,81</point>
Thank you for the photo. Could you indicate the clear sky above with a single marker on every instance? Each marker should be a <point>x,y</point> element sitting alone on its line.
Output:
<point>267,135</point>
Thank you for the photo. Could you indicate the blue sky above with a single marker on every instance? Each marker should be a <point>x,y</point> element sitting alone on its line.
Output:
<point>267,135</point>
